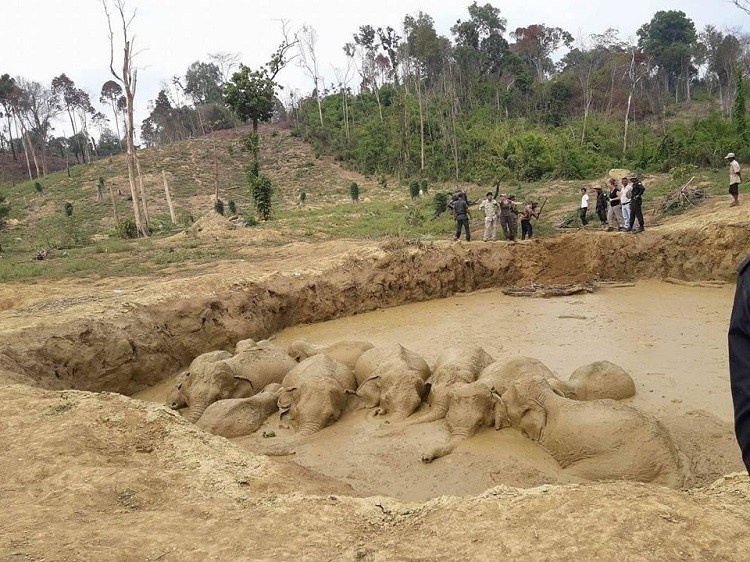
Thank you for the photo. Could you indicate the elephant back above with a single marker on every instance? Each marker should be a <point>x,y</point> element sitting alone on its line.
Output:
<point>320,367</point>
<point>502,374</point>
<point>602,380</point>
<point>262,365</point>
<point>208,358</point>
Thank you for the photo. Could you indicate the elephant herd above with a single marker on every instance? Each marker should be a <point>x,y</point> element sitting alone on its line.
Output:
<point>579,422</point>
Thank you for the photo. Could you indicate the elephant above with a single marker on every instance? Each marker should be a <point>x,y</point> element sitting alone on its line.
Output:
<point>346,352</point>
<point>247,373</point>
<point>177,397</point>
<point>236,417</point>
<point>391,379</point>
<point>261,364</point>
<point>595,440</point>
<point>453,367</point>
<point>313,394</point>
<point>599,380</point>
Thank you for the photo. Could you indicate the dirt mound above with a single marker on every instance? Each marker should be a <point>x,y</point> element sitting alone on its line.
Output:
<point>210,224</point>
<point>101,470</point>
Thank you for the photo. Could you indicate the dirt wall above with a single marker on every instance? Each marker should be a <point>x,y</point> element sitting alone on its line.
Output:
<point>133,350</point>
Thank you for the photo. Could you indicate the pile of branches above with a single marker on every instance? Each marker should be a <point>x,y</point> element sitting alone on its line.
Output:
<point>681,199</point>
<point>548,291</point>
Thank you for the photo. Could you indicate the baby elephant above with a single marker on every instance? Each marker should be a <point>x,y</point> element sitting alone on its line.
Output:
<point>314,393</point>
<point>346,352</point>
<point>597,381</point>
<point>236,417</point>
<point>392,380</point>
<point>595,440</point>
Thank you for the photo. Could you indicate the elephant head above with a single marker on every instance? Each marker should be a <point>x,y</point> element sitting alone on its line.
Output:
<point>176,396</point>
<point>300,349</point>
<point>212,382</point>
<point>527,404</point>
<point>471,407</point>
<point>393,392</point>
<point>312,405</point>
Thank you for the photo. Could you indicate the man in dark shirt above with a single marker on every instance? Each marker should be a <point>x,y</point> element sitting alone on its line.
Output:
<point>739,360</point>
<point>461,212</point>
<point>636,204</point>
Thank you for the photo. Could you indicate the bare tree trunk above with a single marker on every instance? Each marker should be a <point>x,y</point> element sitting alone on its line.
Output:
<point>30,148</point>
<point>627,124</point>
<point>421,124</point>
<point>117,126</point>
<point>114,203</point>
<point>147,221</point>
<point>168,197</point>
<point>380,105</point>
<point>320,107</point>
<point>10,133</point>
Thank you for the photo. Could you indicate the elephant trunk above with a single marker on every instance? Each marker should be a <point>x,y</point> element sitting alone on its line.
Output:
<point>437,412</point>
<point>443,450</point>
<point>196,412</point>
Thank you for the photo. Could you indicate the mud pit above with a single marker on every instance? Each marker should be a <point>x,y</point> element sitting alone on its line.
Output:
<point>652,329</point>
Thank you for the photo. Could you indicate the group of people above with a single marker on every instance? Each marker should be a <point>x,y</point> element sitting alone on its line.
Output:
<point>621,208</point>
<point>497,208</point>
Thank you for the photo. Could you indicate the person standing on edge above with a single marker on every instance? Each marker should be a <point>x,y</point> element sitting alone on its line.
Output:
<point>601,206</point>
<point>461,212</point>
<point>527,231</point>
<point>636,205</point>
<point>614,217</point>
<point>490,207</point>
<point>513,216</point>
<point>584,207</point>
<point>506,217</point>
<point>625,202</point>
<point>735,178</point>
<point>739,360</point>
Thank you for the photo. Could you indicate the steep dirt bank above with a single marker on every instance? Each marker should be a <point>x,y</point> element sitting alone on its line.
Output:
<point>138,342</point>
<point>103,477</point>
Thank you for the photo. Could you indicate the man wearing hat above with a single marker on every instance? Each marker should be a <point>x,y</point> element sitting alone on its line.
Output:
<point>636,204</point>
<point>735,178</point>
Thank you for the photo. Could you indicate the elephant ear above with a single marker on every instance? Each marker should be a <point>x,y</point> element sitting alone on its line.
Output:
<point>532,422</point>
<point>369,391</point>
<point>286,400</point>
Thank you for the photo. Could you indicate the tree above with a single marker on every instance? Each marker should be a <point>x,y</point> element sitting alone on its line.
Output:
<point>670,38</point>
<point>536,44</point>
<point>262,190</point>
<point>39,109</point>
<point>354,191</point>
<point>226,62</point>
<point>251,95</point>
<point>739,114</point>
<point>111,94</point>
<point>7,92</point>
<point>128,77</point>
<point>203,83</point>
<point>77,104</point>
<point>308,56</point>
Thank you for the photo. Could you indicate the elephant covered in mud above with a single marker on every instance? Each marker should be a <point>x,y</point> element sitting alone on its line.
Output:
<point>314,393</point>
<point>346,352</point>
<point>392,380</point>
<point>595,440</point>
<point>599,380</point>
<point>218,375</point>
<point>236,417</point>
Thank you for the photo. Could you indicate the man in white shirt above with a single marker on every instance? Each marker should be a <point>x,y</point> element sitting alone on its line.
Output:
<point>625,202</point>
<point>584,207</point>
<point>735,178</point>
<point>490,208</point>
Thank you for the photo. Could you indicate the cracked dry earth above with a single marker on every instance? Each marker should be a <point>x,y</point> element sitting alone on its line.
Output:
<point>89,473</point>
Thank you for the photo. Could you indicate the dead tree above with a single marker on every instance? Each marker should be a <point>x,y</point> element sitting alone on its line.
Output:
<point>128,77</point>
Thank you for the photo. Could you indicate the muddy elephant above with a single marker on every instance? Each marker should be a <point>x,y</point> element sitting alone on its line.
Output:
<point>314,393</point>
<point>175,397</point>
<point>261,364</point>
<point>595,440</point>
<point>391,380</point>
<point>210,383</point>
<point>178,394</point>
<point>597,381</point>
<point>346,352</point>
<point>236,417</point>
<point>453,367</point>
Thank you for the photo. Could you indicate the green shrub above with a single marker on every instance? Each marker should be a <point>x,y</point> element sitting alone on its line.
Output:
<point>232,207</point>
<point>415,217</point>
<point>440,203</point>
<point>125,229</point>
<point>250,219</point>
<point>354,191</point>
<point>38,187</point>
<point>4,211</point>
<point>68,208</point>
<point>262,190</point>
<point>219,206</point>
<point>414,189</point>
<point>424,186</point>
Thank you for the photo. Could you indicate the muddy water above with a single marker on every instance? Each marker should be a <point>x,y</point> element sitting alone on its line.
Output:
<point>672,339</point>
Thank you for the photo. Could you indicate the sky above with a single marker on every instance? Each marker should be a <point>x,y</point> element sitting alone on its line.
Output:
<point>40,39</point>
